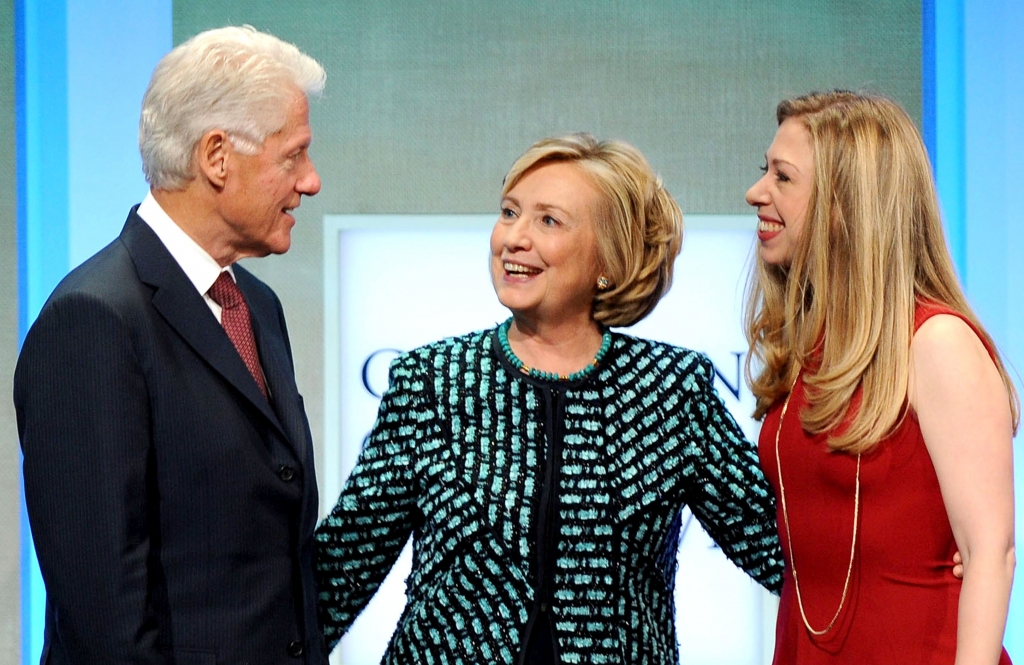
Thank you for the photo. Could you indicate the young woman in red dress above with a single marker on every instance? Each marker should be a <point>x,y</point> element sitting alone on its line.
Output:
<point>888,415</point>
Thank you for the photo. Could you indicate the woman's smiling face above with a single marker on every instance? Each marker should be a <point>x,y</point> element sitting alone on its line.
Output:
<point>782,194</point>
<point>544,256</point>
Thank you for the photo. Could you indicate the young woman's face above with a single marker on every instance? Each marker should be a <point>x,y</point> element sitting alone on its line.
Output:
<point>782,194</point>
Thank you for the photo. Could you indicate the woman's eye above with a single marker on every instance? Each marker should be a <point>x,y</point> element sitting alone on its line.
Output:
<point>507,213</point>
<point>763,168</point>
<point>782,177</point>
<point>548,220</point>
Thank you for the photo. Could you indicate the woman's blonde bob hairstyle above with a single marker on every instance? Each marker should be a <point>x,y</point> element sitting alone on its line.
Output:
<point>871,251</point>
<point>639,232</point>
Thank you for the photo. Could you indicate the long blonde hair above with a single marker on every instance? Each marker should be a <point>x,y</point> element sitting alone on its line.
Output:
<point>871,250</point>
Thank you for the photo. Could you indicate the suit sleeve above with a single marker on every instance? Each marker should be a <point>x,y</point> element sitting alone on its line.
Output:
<point>358,543</point>
<point>729,494</point>
<point>83,418</point>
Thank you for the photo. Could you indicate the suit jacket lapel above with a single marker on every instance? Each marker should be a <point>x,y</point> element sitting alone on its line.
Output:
<point>185,310</point>
<point>277,365</point>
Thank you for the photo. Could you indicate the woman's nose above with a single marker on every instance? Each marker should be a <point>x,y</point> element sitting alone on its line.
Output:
<point>757,195</point>
<point>517,234</point>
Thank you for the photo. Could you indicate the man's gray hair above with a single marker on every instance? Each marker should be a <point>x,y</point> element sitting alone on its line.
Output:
<point>236,79</point>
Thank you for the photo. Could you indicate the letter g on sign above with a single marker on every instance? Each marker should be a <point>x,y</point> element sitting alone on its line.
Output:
<point>375,371</point>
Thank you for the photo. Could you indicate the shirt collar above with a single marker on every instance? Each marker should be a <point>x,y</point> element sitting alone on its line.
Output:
<point>200,268</point>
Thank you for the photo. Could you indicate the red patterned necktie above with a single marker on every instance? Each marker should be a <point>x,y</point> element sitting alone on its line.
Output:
<point>234,317</point>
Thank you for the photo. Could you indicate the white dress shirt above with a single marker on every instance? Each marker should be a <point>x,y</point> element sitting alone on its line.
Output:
<point>200,268</point>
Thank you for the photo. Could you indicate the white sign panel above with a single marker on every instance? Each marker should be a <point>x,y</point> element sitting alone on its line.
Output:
<point>394,282</point>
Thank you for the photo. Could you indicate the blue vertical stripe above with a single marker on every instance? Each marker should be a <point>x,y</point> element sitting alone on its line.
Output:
<point>41,117</point>
<point>986,199</point>
<point>44,185</point>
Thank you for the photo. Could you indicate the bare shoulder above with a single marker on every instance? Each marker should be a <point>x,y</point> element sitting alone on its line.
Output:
<point>948,358</point>
<point>946,341</point>
<point>945,330</point>
<point>951,368</point>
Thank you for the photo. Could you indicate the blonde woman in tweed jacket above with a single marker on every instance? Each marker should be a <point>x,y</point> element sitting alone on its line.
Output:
<point>541,466</point>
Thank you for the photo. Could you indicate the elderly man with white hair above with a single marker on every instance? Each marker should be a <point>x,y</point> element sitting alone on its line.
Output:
<point>168,466</point>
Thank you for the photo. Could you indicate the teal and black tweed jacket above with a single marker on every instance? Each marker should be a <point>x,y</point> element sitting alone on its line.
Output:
<point>532,501</point>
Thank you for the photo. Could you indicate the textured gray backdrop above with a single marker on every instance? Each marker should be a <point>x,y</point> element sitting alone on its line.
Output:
<point>429,102</point>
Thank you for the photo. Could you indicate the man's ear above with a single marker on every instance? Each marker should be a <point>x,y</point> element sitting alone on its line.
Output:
<point>212,154</point>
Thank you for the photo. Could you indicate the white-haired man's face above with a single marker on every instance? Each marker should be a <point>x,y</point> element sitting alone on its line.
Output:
<point>262,190</point>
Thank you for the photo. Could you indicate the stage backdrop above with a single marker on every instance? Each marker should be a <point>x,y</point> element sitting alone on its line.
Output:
<point>394,282</point>
<point>429,101</point>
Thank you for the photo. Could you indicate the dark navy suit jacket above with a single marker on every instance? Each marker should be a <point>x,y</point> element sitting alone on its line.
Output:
<point>171,504</point>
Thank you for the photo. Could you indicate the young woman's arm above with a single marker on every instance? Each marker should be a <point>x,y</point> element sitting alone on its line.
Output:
<point>964,412</point>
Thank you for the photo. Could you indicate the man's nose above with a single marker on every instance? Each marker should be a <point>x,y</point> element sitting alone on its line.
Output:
<point>309,183</point>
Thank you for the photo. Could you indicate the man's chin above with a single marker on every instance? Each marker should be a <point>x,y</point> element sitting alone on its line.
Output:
<point>278,245</point>
<point>264,250</point>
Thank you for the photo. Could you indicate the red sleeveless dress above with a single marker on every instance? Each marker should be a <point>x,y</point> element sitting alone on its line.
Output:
<point>901,607</point>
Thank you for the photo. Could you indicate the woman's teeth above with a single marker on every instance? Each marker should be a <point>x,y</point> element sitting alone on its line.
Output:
<point>517,269</point>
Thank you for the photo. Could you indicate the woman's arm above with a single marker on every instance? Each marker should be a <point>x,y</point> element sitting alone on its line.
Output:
<point>358,543</point>
<point>729,494</point>
<point>964,413</point>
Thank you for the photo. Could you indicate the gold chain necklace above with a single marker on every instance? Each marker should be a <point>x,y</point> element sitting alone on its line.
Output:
<point>789,536</point>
